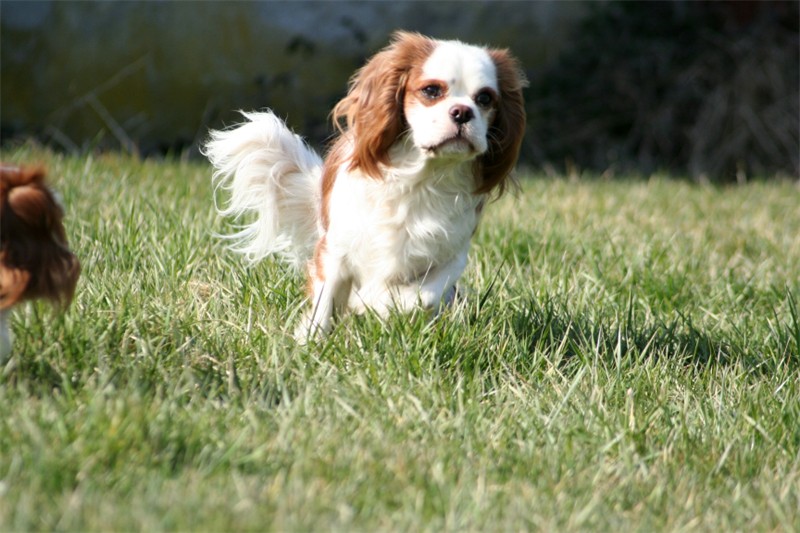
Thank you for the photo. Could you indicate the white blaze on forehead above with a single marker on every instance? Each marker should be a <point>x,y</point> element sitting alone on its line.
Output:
<point>465,68</point>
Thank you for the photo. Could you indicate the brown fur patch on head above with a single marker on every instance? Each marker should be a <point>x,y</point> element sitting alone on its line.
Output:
<point>35,261</point>
<point>372,112</point>
<point>508,128</point>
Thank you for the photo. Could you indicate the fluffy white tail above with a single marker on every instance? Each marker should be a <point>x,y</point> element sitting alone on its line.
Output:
<point>270,172</point>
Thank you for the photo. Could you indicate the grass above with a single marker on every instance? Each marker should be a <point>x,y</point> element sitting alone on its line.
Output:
<point>627,358</point>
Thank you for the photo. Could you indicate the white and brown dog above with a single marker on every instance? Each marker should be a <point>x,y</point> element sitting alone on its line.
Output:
<point>429,131</point>
<point>35,260</point>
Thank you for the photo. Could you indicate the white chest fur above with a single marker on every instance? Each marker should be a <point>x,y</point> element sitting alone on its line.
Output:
<point>397,231</point>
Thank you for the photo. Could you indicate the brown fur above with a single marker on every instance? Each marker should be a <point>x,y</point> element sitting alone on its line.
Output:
<point>373,108</point>
<point>508,128</point>
<point>332,164</point>
<point>35,261</point>
<point>316,269</point>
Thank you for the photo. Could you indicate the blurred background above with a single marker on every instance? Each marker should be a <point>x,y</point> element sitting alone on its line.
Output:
<point>709,90</point>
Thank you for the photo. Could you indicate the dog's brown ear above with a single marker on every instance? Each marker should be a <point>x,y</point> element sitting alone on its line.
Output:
<point>13,282</point>
<point>508,127</point>
<point>372,111</point>
<point>36,260</point>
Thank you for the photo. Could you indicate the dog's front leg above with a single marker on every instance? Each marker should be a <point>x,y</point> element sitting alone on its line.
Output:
<point>439,287</point>
<point>5,335</point>
<point>330,289</point>
<point>436,289</point>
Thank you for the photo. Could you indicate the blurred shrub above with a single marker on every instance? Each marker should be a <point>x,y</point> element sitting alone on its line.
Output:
<point>704,88</point>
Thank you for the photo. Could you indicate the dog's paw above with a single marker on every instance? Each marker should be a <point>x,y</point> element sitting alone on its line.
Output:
<point>309,330</point>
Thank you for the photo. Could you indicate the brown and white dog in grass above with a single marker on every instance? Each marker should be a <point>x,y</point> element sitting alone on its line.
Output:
<point>35,260</point>
<point>428,133</point>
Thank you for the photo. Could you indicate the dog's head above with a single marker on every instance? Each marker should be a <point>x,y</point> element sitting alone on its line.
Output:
<point>449,99</point>
<point>35,261</point>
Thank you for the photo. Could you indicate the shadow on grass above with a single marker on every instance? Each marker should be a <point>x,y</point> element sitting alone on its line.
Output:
<point>547,326</point>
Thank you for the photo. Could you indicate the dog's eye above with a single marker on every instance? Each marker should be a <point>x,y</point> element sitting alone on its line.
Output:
<point>432,92</point>
<point>484,98</point>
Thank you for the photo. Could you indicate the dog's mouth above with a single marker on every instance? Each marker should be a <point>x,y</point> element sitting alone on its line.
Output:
<point>456,144</point>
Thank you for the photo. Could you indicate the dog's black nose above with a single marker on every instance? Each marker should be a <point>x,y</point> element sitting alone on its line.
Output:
<point>461,114</point>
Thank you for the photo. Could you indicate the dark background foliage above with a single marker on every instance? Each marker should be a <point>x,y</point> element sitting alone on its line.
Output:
<point>701,89</point>
<point>708,89</point>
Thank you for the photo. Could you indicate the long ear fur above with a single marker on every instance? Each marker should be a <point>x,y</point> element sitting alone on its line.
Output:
<point>36,262</point>
<point>508,128</point>
<point>372,111</point>
<point>13,282</point>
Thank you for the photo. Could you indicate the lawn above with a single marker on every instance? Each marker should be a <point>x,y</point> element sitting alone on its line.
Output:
<point>626,358</point>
